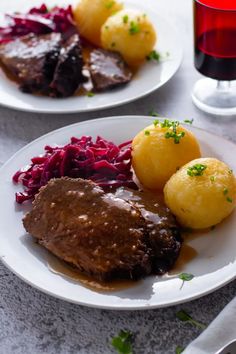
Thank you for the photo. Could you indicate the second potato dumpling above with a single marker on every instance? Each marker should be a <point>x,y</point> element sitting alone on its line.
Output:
<point>130,33</point>
<point>160,150</point>
<point>202,193</point>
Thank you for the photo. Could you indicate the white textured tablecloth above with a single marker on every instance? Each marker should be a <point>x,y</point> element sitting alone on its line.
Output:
<point>34,323</point>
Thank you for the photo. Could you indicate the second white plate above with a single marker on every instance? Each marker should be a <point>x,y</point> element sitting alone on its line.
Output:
<point>149,77</point>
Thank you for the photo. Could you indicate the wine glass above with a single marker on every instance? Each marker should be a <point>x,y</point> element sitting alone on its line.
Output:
<point>215,56</point>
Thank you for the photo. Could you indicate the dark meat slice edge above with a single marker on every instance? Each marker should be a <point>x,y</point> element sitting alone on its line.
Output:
<point>68,74</point>
<point>32,60</point>
<point>108,70</point>
<point>102,234</point>
<point>164,237</point>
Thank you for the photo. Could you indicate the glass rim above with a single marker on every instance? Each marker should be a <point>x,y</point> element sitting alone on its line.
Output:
<point>214,7</point>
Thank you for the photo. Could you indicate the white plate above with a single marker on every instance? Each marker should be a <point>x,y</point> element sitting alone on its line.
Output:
<point>214,266</point>
<point>150,76</point>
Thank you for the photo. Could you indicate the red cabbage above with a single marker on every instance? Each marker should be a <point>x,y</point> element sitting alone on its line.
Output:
<point>101,161</point>
<point>39,20</point>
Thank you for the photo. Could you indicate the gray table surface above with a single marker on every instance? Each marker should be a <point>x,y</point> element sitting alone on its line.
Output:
<point>32,322</point>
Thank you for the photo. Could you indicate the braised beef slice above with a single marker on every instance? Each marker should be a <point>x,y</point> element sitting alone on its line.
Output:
<point>68,74</point>
<point>32,60</point>
<point>102,234</point>
<point>164,233</point>
<point>108,70</point>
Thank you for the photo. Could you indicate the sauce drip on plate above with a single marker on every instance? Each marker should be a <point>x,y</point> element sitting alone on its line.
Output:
<point>61,268</point>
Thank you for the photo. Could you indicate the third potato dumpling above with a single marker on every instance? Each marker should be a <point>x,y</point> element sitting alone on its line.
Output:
<point>130,33</point>
<point>160,150</point>
<point>202,193</point>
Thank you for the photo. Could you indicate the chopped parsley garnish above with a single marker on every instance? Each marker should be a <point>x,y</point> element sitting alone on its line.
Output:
<point>172,125</point>
<point>225,191</point>
<point>185,277</point>
<point>185,317</point>
<point>179,350</point>
<point>196,170</point>
<point>230,172</point>
<point>168,123</point>
<point>113,44</point>
<point>147,132</point>
<point>173,133</point>
<point>156,122</point>
<point>175,136</point>
<point>212,178</point>
<point>122,342</point>
<point>109,4</point>
<point>152,113</point>
<point>106,27</point>
<point>187,121</point>
<point>125,18</point>
<point>230,200</point>
<point>134,28</point>
<point>153,55</point>
<point>90,94</point>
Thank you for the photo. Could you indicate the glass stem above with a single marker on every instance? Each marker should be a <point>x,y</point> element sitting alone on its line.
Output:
<point>223,85</point>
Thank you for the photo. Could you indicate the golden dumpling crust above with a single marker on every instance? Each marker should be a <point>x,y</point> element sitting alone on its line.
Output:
<point>90,15</point>
<point>130,33</point>
<point>201,201</point>
<point>155,158</point>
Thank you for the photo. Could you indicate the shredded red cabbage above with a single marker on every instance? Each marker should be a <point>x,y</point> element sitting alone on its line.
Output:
<point>101,161</point>
<point>38,20</point>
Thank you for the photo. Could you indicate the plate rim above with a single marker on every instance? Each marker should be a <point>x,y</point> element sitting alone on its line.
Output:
<point>115,306</point>
<point>31,109</point>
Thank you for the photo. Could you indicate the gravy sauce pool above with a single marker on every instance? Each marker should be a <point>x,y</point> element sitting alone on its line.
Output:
<point>187,254</point>
<point>63,269</point>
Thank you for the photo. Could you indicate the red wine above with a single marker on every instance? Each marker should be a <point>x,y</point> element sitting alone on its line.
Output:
<point>215,53</point>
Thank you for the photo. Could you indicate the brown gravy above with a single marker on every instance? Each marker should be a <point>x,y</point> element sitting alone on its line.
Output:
<point>187,254</point>
<point>63,269</point>
<point>59,267</point>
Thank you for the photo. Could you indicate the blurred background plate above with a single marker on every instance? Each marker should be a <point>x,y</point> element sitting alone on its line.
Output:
<point>149,77</point>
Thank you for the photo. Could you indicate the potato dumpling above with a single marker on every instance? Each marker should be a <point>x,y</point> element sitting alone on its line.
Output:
<point>158,151</point>
<point>130,33</point>
<point>202,193</point>
<point>90,15</point>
